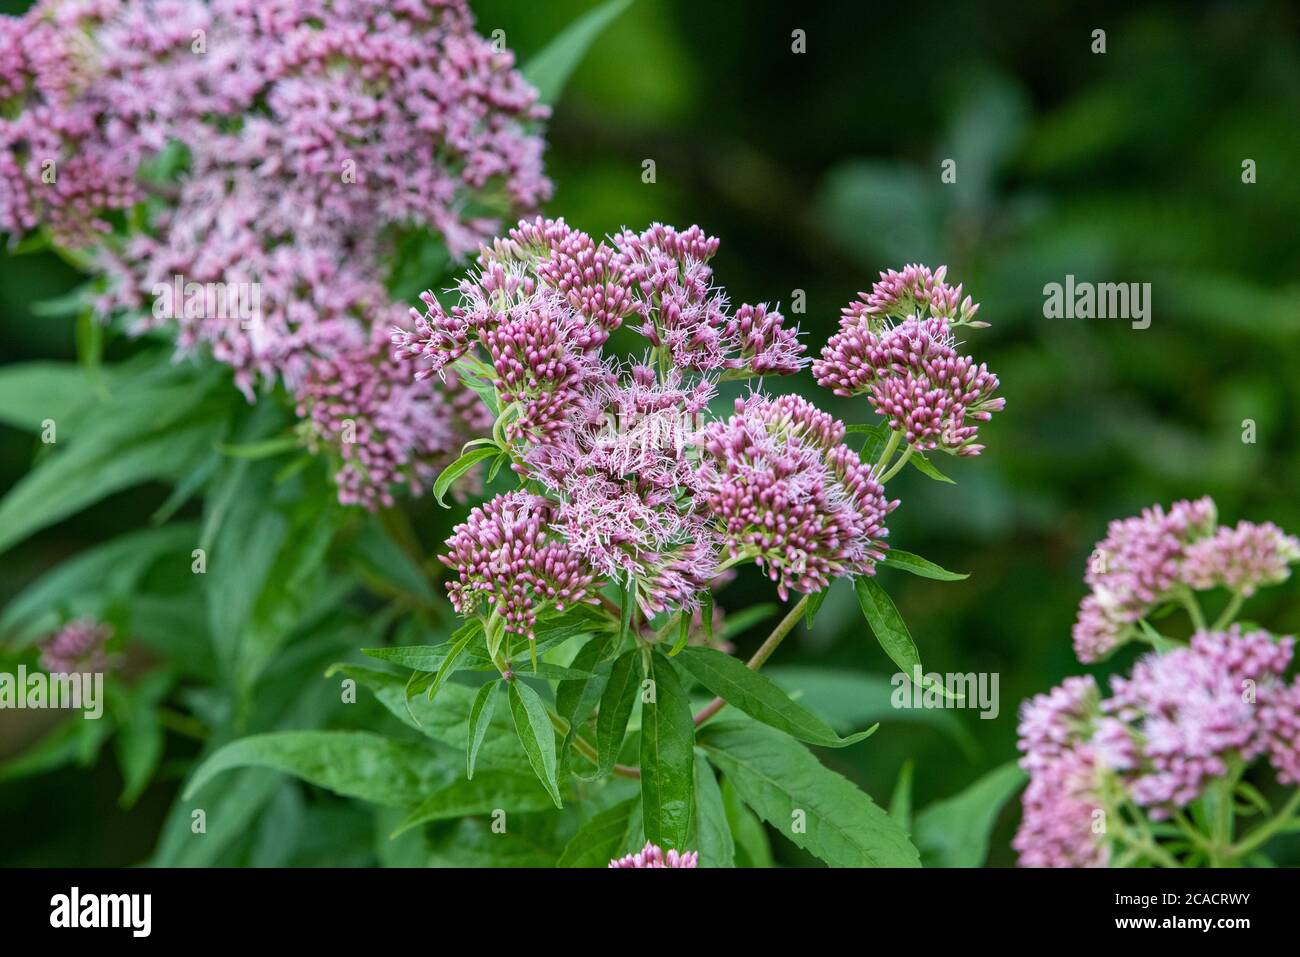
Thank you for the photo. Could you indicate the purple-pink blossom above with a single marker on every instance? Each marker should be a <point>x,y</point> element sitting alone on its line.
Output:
<point>896,345</point>
<point>652,855</point>
<point>509,560</point>
<point>79,646</point>
<point>783,490</point>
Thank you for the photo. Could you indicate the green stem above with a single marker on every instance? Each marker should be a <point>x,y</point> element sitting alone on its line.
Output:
<point>587,749</point>
<point>1193,608</point>
<point>890,447</point>
<point>1229,613</point>
<point>764,652</point>
<point>1260,835</point>
<point>902,460</point>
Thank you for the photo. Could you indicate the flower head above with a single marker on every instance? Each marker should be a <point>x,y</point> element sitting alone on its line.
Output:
<point>79,646</point>
<point>507,556</point>
<point>781,487</point>
<point>1241,559</point>
<point>897,346</point>
<point>654,856</point>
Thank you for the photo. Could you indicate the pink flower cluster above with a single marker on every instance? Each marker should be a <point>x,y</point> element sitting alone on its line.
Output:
<point>79,646</point>
<point>652,855</point>
<point>562,278</point>
<point>312,135</point>
<point>619,447</point>
<point>784,490</point>
<point>1146,560</point>
<point>896,345</point>
<point>1181,721</point>
<point>507,555</point>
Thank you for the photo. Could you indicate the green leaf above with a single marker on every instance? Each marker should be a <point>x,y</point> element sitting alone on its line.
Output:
<point>955,832</point>
<point>139,742</point>
<point>877,437</point>
<point>759,697</point>
<point>458,468</point>
<point>888,627</point>
<point>626,609</point>
<point>446,722</point>
<point>926,468</point>
<point>351,763</point>
<point>576,698</point>
<point>515,792</point>
<point>814,807</point>
<point>683,633</point>
<point>94,579</point>
<point>449,664</point>
<point>897,558</point>
<point>713,832</point>
<point>706,616</point>
<point>900,804</point>
<point>815,602</point>
<point>849,699</point>
<point>264,449</point>
<point>536,734</point>
<point>31,392</point>
<point>667,759</point>
<point>605,837</point>
<point>616,708</point>
<point>549,70</point>
<point>753,849</point>
<point>94,467</point>
<point>480,717</point>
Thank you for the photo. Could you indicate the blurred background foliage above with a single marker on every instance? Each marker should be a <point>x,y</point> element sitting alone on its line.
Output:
<point>819,169</point>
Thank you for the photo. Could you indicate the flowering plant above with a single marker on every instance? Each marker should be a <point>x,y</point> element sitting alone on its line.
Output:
<point>634,502</point>
<point>1173,767</point>
<point>275,178</point>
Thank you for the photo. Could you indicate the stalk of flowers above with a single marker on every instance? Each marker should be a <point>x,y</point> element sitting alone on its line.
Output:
<point>310,137</point>
<point>1159,558</point>
<point>1171,766</point>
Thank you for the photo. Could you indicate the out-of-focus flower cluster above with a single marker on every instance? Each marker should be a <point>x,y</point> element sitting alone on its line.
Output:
<point>652,855</point>
<point>897,346</point>
<point>311,135</point>
<point>79,646</point>
<point>1182,721</point>
<point>649,489</point>
<point>1158,556</point>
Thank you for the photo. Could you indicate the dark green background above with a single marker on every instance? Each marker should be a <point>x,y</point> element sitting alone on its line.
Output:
<point>817,171</point>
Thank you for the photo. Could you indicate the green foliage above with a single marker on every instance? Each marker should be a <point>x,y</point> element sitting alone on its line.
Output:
<point>955,832</point>
<point>800,798</point>
<point>667,758</point>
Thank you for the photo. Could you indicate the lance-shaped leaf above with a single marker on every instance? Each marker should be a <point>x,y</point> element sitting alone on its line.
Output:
<point>667,758</point>
<point>817,809</point>
<point>712,830</point>
<point>955,832</point>
<point>759,697</point>
<point>549,70</point>
<point>891,631</point>
<point>458,468</point>
<point>897,558</point>
<point>616,707</point>
<point>611,833</point>
<point>480,719</point>
<point>351,763</point>
<point>536,734</point>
